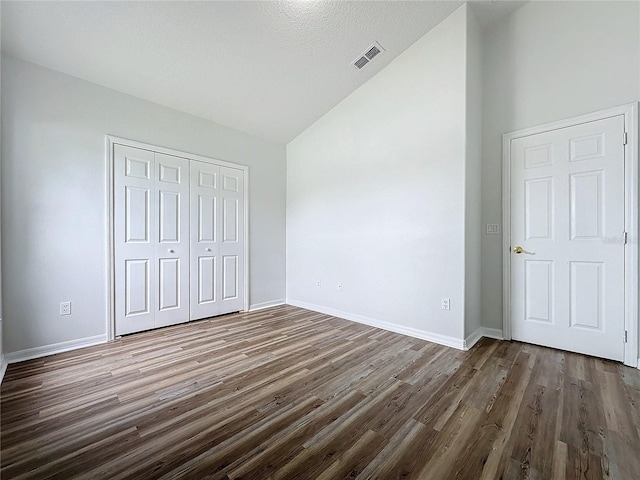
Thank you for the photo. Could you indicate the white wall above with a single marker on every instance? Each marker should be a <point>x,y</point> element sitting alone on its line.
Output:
<point>54,224</point>
<point>375,194</point>
<point>473,184</point>
<point>548,61</point>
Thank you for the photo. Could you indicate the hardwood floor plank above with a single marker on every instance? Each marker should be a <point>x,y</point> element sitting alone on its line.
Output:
<point>324,448</point>
<point>393,453</point>
<point>286,444</point>
<point>583,464</point>
<point>538,417</point>
<point>355,458</point>
<point>446,399</point>
<point>285,393</point>
<point>619,420</point>
<point>214,457</point>
<point>502,413</point>
<point>579,430</point>
<point>559,460</point>
<point>446,458</point>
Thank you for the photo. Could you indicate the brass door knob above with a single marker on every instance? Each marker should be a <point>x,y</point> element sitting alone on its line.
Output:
<point>518,250</point>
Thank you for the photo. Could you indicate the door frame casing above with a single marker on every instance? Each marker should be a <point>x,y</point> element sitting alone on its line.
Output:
<point>630,114</point>
<point>110,141</point>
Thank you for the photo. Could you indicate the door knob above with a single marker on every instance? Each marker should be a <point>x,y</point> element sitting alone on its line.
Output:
<point>208,249</point>
<point>518,250</point>
<point>171,250</point>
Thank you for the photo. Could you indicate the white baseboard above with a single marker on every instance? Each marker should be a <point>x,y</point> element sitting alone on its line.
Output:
<point>3,367</point>
<point>260,306</point>
<point>492,333</point>
<point>472,339</point>
<point>392,327</point>
<point>37,352</point>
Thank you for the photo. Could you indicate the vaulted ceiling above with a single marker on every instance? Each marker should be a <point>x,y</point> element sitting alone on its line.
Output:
<point>268,68</point>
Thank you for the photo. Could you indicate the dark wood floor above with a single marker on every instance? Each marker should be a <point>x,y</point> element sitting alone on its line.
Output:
<point>285,393</point>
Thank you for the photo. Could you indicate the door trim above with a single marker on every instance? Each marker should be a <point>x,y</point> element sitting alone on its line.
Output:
<point>110,141</point>
<point>630,114</point>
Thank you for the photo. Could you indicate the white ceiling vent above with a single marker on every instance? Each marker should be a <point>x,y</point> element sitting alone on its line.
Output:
<point>368,55</point>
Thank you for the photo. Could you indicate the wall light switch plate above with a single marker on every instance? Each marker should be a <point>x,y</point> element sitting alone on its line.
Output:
<point>493,229</point>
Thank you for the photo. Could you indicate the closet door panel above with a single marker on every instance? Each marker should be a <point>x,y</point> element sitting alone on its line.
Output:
<point>207,273</point>
<point>205,235</point>
<point>172,239</point>
<point>134,228</point>
<point>230,277</point>
<point>232,240</point>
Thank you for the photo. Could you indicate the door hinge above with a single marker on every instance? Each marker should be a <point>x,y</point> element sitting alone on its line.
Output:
<point>625,337</point>
<point>625,238</point>
<point>624,138</point>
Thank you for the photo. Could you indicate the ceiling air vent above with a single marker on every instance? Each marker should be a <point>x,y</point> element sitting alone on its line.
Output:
<point>361,62</point>
<point>372,52</point>
<point>368,55</point>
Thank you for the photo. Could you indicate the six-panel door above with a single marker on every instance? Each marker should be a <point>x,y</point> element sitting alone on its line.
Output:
<point>178,234</point>
<point>567,214</point>
<point>232,239</point>
<point>205,240</point>
<point>134,238</point>
<point>172,240</point>
<point>217,242</point>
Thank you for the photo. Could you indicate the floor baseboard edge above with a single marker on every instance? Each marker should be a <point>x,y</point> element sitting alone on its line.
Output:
<point>3,367</point>
<point>384,325</point>
<point>45,350</point>
<point>480,332</point>
<point>262,305</point>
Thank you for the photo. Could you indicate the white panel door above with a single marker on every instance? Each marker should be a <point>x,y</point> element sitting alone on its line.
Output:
<point>567,238</point>
<point>134,238</point>
<point>205,240</point>
<point>179,239</point>
<point>231,239</point>
<point>217,240</point>
<point>172,240</point>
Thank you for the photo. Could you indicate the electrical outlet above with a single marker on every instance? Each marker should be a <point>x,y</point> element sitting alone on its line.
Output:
<point>339,286</point>
<point>65,308</point>
<point>319,284</point>
<point>446,303</point>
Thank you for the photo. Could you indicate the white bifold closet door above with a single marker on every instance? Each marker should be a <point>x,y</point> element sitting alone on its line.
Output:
<point>151,235</point>
<point>217,240</point>
<point>178,239</point>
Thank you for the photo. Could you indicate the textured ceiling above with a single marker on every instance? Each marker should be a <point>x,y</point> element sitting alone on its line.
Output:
<point>267,68</point>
